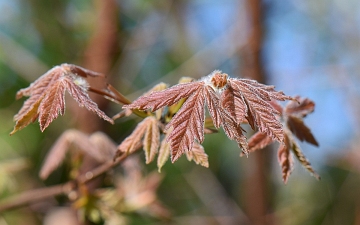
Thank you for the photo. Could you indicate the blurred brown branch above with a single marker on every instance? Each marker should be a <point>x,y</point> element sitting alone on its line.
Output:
<point>256,199</point>
<point>36,195</point>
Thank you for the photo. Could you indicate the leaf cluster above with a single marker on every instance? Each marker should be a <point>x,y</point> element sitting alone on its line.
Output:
<point>230,102</point>
<point>174,119</point>
<point>292,116</point>
<point>47,96</point>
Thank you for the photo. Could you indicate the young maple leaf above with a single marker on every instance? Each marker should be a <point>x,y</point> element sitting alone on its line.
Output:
<point>230,101</point>
<point>47,96</point>
<point>285,159</point>
<point>292,115</point>
<point>198,155</point>
<point>147,135</point>
<point>148,131</point>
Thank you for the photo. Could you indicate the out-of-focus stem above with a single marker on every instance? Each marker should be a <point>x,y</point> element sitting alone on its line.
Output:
<point>256,199</point>
<point>36,195</point>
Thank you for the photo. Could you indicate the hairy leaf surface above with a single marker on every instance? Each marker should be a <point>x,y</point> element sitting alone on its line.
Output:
<point>301,108</point>
<point>259,141</point>
<point>164,154</point>
<point>302,159</point>
<point>133,141</point>
<point>151,140</point>
<point>146,134</point>
<point>229,101</point>
<point>285,160</point>
<point>301,131</point>
<point>235,106</point>
<point>170,96</point>
<point>198,155</point>
<point>257,97</point>
<point>292,116</point>
<point>187,124</point>
<point>47,99</point>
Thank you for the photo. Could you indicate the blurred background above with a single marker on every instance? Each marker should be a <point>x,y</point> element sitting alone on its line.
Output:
<point>303,47</point>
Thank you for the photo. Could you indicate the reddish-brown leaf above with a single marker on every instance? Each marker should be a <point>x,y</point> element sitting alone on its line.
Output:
<point>46,100</point>
<point>164,153</point>
<point>234,131</point>
<point>159,87</point>
<point>257,97</point>
<point>39,86</point>
<point>151,140</point>
<point>259,141</point>
<point>37,91</point>
<point>302,159</point>
<point>277,107</point>
<point>146,134</point>
<point>187,124</point>
<point>81,96</point>
<point>53,104</point>
<point>198,155</point>
<point>170,96</point>
<point>265,92</point>
<point>230,102</point>
<point>213,101</point>
<point>285,160</point>
<point>301,108</point>
<point>29,116</point>
<point>80,71</point>
<point>222,118</point>
<point>235,106</point>
<point>301,131</point>
<point>133,141</point>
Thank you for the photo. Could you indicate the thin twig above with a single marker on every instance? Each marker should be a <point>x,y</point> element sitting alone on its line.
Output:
<point>118,95</point>
<point>36,195</point>
<point>106,95</point>
<point>118,98</point>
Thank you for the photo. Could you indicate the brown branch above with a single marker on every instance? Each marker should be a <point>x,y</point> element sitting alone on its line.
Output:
<point>36,195</point>
<point>120,97</point>
<point>98,56</point>
<point>109,96</point>
<point>256,187</point>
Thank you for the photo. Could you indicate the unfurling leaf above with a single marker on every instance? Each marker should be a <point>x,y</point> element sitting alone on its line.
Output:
<point>230,101</point>
<point>285,160</point>
<point>236,107</point>
<point>47,96</point>
<point>292,116</point>
<point>158,99</point>
<point>151,140</point>
<point>259,141</point>
<point>302,159</point>
<point>149,132</point>
<point>133,141</point>
<point>294,120</point>
<point>188,125</point>
<point>198,155</point>
<point>222,118</point>
<point>301,131</point>
<point>164,154</point>
<point>300,108</point>
<point>260,112</point>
